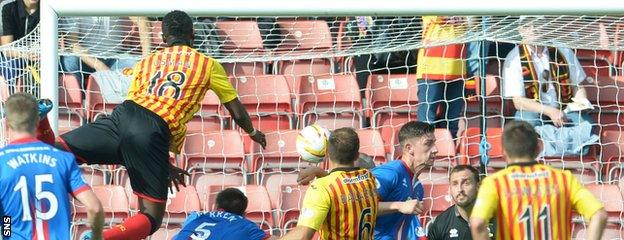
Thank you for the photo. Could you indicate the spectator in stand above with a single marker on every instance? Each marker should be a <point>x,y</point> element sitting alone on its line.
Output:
<point>441,71</point>
<point>541,81</point>
<point>96,43</point>
<point>19,18</point>
<point>453,222</point>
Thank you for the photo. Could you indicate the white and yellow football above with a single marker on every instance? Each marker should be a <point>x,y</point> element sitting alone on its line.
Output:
<point>312,143</point>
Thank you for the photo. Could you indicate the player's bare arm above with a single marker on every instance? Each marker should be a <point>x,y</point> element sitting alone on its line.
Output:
<point>310,173</point>
<point>478,227</point>
<point>241,117</point>
<point>407,207</point>
<point>95,213</point>
<point>300,233</point>
<point>597,225</point>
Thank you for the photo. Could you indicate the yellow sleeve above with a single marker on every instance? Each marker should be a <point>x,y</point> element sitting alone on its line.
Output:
<point>486,204</point>
<point>220,84</point>
<point>315,206</point>
<point>583,201</point>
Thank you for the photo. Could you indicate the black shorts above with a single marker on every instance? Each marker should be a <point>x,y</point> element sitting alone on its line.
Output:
<point>132,136</point>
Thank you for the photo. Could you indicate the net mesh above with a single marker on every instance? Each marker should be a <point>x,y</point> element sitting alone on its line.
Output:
<point>291,72</point>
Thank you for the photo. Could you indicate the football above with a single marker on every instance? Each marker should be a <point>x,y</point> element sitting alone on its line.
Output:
<point>312,143</point>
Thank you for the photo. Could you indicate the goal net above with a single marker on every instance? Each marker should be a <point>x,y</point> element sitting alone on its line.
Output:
<point>359,72</point>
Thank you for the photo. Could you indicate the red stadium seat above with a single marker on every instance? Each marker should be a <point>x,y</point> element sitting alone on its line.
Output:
<point>437,199</point>
<point>389,127</point>
<point>94,175</point>
<point>611,232</point>
<point>259,207</point>
<point>331,97</point>
<point>274,183</point>
<point>612,155</point>
<point>391,94</point>
<point>180,204</point>
<point>71,110</point>
<point>607,95</point>
<point>611,197</point>
<point>303,37</point>
<point>208,185</point>
<point>165,233</point>
<point>469,147</point>
<point>241,38</point>
<point>267,99</point>
<point>372,145</point>
<point>96,105</point>
<point>214,151</point>
<point>114,201</point>
<point>290,202</point>
<point>280,155</point>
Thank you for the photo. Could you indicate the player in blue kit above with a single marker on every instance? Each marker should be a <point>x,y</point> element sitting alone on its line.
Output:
<point>35,179</point>
<point>400,193</point>
<point>225,223</point>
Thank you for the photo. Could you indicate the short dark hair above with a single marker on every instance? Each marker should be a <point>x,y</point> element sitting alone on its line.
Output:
<point>414,129</point>
<point>344,145</point>
<point>177,27</point>
<point>520,140</point>
<point>232,200</point>
<point>22,112</point>
<point>473,170</point>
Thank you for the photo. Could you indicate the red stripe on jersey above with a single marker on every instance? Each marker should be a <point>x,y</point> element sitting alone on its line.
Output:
<point>343,210</point>
<point>356,207</point>
<point>499,213</point>
<point>193,72</point>
<point>510,212</point>
<point>198,90</point>
<point>332,229</point>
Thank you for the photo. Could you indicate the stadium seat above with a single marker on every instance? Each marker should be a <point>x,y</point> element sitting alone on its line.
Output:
<point>241,38</point>
<point>372,145</point>
<point>214,151</point>
<point>259,206</point>
<point>94,174</point>
<point>202,125</point>
<point>180,204</point>
<point>71,110</point>
<point>114,201</point>
<point>290,202</point>
<point>208,185</point>
<point>331,97</point>
<point>469,147</point>
<point>303,38</point>
<point>391,94</point>
<point>596,63</point>
<point>492,97</point>
<point>611,196</point>
<point>165,233</point>
<point>389,127</point>
<point>280,155</point>
<point>607,95</point>
<point>436,200</point>
<point>96,105</point>
<point>612,145</point>
<point>274,183</point>
<point>267,99</point>
<point>210,115</point>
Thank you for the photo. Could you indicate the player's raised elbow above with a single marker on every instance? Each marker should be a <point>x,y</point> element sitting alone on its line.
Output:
<point>95,208</point>
<point>600,216</point>
<point>478,228</point>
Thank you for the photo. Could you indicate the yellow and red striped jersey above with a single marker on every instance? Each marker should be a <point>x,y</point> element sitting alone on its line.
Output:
<point>443,62</point>
<point>533,201</point>
<point>172,83</point>
<point>342,205</point>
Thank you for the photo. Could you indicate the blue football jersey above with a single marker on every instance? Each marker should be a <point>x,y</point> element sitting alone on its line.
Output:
<point>35,182</point>
<point>219,225</point>
<point>395,182</point>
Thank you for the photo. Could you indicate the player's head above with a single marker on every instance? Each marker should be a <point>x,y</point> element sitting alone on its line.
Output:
<point>232,200</point>
<point>22,113</point>
<point>365,161</point>
<point>417,141</point>
<point>343,146</point>
<point>464,185</point>
<point>177,29</point>
<point>520,142</point>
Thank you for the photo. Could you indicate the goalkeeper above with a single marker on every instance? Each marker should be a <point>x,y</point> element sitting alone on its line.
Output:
<point>166,90</point>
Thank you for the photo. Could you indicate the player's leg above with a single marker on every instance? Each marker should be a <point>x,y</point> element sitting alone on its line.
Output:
<point>144,147</point>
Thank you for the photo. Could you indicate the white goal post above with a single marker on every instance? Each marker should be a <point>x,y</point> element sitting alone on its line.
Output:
<point>51,10</point>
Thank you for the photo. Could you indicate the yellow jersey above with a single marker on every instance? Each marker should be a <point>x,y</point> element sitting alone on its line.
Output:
<point>533,201</point>
<point>342,205</point>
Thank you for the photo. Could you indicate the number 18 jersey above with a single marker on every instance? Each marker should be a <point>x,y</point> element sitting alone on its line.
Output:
<point>35,179</point>
<point>172,83</point>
